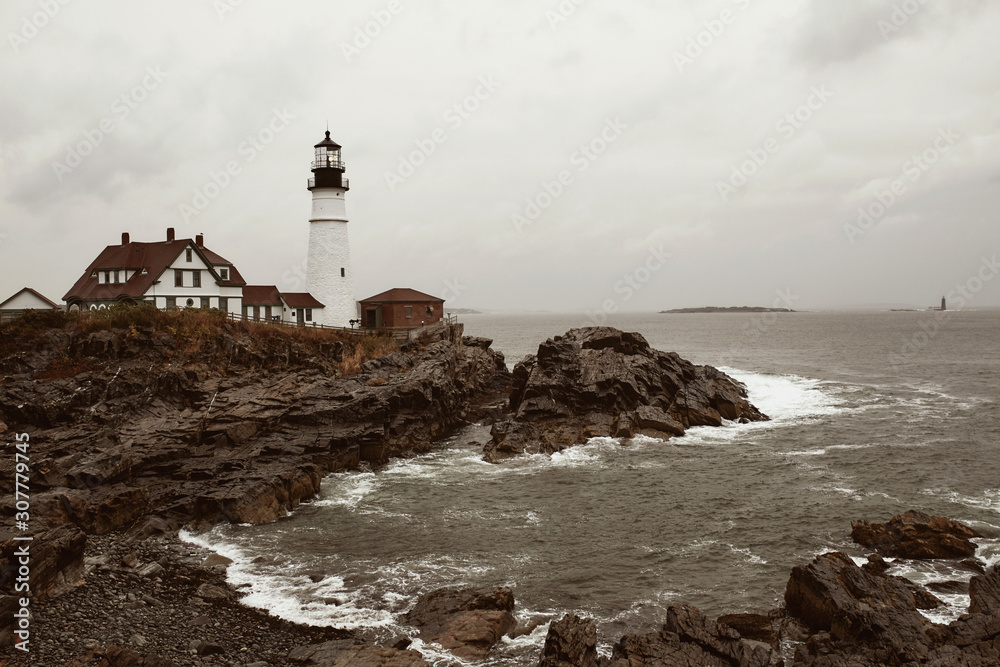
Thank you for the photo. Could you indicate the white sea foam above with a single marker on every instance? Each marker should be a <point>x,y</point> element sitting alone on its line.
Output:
<point>347,490</point>
<point>748,555</point>
<point>289,594</point>
<point>989,500</point>
<point>788,397</point>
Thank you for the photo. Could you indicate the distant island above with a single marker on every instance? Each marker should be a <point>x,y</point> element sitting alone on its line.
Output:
<point>463,311</point>
<point>731,309</point>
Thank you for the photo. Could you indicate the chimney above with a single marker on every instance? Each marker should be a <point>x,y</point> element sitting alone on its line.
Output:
<point>124,238</point>
<point>200,240</point>
<point>170,234</point>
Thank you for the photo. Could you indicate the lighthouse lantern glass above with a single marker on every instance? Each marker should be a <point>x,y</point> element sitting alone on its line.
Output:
<point>327,157</point>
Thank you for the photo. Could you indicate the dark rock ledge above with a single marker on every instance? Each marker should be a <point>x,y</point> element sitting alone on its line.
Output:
<point>836,614</point>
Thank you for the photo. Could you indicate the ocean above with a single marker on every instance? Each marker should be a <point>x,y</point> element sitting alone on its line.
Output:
<point>873,413</point>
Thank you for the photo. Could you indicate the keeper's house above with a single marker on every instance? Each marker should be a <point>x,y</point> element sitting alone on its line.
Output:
<point>175,273</point>
<point>26,299</point>
<point>401,308</point>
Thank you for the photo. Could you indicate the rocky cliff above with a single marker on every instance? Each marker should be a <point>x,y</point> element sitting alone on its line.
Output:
<point>148,429</point>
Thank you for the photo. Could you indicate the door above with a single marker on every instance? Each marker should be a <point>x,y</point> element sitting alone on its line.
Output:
<point>371,319</point>
<point>300,316</point>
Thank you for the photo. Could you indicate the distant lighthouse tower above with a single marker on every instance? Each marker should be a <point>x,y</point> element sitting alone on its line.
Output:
<point>330,277</point>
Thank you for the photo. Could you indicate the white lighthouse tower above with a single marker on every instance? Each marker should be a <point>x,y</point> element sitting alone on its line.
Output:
<point>330,277</point>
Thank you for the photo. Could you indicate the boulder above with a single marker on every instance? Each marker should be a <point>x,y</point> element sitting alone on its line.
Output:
<point>688,638</point>
<point>602,382</point>
<point>57,564</point>
<point>984,593</point>
<point>915,535</point>
<point>571,642</point>
<point>862,611</point>
<point>468,621</point>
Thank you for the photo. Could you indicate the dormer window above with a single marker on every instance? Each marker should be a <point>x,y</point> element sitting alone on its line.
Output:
<point>187,254</point>
<point>224,274</point>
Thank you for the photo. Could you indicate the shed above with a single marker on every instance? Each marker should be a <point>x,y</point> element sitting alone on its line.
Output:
<point>401,308</point>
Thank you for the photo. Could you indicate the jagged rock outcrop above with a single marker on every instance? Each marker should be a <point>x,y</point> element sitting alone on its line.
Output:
<point>857,610</point>
<point>984,593</point>
<point>862,616</point>
<point>600,381</point>
<point>468,622</point>
<point>916,535</point>
<point>689,638</point>
<point>836,614</point>
<point>570,642</point>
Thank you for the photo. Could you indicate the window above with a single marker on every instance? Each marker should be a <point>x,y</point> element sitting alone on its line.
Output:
<point>309,314</point>
<point>196,278</point>
<point>178,278</point>
<point>171,302</point>
<point>224,303</point>
<point>408,310</point>
<point>187,254</point>
<point>189,303</point>
<point>430,311</point>
<point>343,272</point>
<point>224,274</point>
<point>116,277</point>
<point>107,277</point>
<point>256,312</point>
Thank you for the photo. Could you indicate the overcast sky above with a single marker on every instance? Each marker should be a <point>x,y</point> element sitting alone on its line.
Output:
<point>711,153</point>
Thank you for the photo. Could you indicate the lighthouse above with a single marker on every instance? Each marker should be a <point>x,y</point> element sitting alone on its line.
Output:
<point>329,274</point>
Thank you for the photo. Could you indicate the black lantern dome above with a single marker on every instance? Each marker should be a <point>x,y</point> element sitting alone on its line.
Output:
<point>328,166</point>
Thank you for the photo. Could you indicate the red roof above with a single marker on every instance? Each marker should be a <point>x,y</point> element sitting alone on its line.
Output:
<point>300,300</point>
<point>261,295</point>
<point>38,294</point>
<point>402,295</point>
<point>155,258</point>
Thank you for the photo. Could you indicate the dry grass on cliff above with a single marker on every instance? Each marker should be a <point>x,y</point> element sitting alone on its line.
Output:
<point>193,332</point>
<point>369,347</point>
